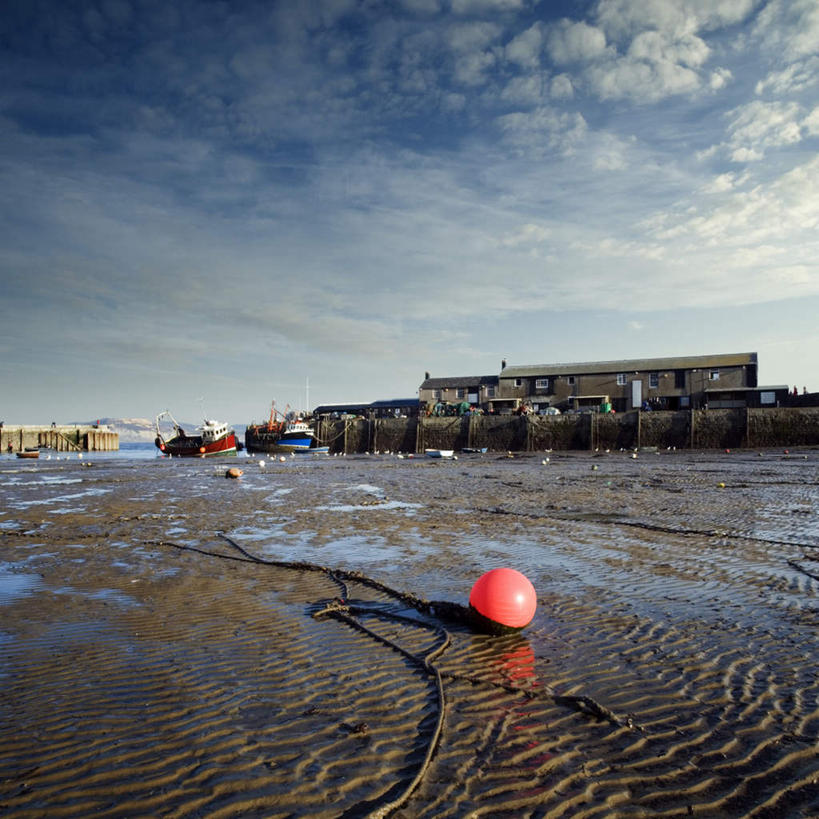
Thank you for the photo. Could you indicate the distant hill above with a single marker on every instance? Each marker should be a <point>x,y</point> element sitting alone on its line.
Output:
<point>131,430</point>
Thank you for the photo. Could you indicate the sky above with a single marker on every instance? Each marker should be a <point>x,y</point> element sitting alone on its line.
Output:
<point>209,206</point>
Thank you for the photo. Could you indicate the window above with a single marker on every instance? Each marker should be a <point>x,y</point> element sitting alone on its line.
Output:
<point>570,379</point>
<point>713,375</point>
<point>679,379</point>
<point>518,382</point>
<point>436,394</point>
<point>653,380</point>
<point>490,392</point>
<point>621,380</point>
<point>542,384</point>
<point>460,393</point>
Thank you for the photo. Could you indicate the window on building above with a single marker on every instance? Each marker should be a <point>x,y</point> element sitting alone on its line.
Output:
<point>490,392</point>
<point>621,380</point>
<point>542,384</point>
<point>518,382</point>
<point>679,379</point>
<point>460,393</point>
<point>436,394</point>
<point>653,380</point>
<point>713,375</point>
<point>570,380</point>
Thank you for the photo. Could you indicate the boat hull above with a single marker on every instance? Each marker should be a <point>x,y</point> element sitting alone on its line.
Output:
<point>28,453</point>
<point>193,446</point>
<point>257,440</point>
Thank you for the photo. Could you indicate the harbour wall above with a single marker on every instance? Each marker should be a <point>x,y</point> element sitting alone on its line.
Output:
<point>684,429</point>
<point>62,438</point>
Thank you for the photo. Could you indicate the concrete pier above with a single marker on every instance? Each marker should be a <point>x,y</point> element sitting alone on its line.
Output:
<point>62,438</point>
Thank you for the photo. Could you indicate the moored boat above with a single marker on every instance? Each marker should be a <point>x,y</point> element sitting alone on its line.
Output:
<point>211,438</point>
<point>439,453</point>
<point>29,452</point>
<point>295,435</point>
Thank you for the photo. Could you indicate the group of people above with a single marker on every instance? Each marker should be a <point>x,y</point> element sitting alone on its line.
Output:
<point>796,391</point>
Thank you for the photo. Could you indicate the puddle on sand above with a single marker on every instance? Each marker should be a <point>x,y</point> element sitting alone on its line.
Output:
<point>14,585</point>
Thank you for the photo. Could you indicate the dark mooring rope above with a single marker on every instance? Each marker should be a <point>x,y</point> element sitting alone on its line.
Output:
<point>345,612</point>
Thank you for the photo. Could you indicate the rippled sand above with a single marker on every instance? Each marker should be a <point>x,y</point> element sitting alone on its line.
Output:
<point>150,669</point>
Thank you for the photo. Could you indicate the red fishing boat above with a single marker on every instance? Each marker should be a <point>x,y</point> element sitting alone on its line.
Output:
<point>212,438</point>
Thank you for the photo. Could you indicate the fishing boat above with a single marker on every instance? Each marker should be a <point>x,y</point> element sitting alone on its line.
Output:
<point>211,438</point>
<point>282,435</point>
<point>439,453</point>
<point>29,452</point>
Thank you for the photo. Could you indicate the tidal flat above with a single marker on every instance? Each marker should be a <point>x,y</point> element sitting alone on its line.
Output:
<point>166,648</point>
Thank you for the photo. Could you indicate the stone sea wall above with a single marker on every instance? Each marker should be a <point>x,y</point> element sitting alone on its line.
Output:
<point>685,429</point>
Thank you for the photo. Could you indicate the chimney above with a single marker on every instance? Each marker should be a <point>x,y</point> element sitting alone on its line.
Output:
<point>426,376</point>
<point>503,364</point>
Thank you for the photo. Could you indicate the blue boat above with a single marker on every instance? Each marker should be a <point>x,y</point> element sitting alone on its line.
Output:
<point>293,436</point>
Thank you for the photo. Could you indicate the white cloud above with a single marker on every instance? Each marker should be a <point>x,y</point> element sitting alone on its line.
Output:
<point>724,182</point>
<point>543,130</point>
<point>621,19</point>
<point>792,79</point>
<point>525,90</point>
<point>568,42</point>
<point>528,234</point>
<point>789,28</point>
<point>469,37</point>
<point>719,78</point>
<point>482,6</point>
<point>526,47</point>
<point>641,80</point>
<point>561,87</point>
<point>811,122</point>
<point>422,6</point>
<point>652,46</point>
<point>760,125</point>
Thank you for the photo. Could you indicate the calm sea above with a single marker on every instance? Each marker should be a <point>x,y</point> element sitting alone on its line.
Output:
<point>139,451</point>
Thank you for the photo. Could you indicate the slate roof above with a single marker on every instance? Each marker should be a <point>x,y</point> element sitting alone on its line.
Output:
<point>631,365</point>
<point>459,381</point>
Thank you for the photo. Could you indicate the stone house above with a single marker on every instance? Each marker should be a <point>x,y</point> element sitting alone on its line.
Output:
<point>656,383</point>
<point>478,390</point>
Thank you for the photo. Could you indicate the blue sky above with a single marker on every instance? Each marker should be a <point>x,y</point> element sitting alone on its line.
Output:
<point>226,201</point>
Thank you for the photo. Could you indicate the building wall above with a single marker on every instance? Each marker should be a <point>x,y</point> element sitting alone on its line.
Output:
<point>452,395</point>
<point>661,386</point>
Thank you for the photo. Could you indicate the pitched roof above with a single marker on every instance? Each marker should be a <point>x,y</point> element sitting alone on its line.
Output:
<point>459,381</point>
<point>632,365</point>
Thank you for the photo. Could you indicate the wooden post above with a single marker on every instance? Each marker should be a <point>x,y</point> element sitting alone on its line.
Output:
<point>639,427</point>
<point>691,428</point>
<point>346,422</point>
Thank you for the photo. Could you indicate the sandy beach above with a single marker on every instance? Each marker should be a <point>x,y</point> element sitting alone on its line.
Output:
<point>163,654</point>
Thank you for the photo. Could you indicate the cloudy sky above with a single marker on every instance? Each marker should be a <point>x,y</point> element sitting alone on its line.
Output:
<point>230,200</point>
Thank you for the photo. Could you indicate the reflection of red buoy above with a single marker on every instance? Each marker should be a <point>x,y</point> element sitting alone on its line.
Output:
<point>503,600</point>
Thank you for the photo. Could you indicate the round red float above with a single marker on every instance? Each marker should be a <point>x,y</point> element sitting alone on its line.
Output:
<point>505,598</point>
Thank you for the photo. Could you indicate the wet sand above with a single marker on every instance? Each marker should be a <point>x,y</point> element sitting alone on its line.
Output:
<point>149,668</point>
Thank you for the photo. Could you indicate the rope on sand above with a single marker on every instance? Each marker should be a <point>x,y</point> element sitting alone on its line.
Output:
<point>342,610</point>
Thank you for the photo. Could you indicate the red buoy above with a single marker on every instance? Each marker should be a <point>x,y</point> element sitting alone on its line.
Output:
<point>504,600</point>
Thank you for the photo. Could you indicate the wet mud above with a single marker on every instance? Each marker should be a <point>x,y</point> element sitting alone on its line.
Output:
<point>161,653</point>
